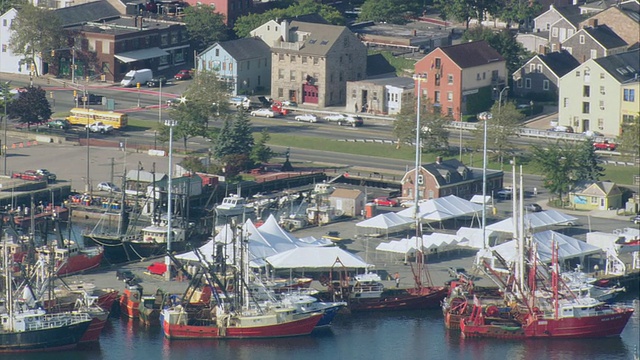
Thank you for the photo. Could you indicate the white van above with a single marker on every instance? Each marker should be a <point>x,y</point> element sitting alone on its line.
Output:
<point>134,77</point>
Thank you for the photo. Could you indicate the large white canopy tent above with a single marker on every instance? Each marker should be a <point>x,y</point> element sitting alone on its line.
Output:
<point>429,242</point>
<point>384,224</point>
<point>315,258</point>
<point>568,248</point>
<point>444,208</point>
<point>269,239</point>
<point>534,221</point>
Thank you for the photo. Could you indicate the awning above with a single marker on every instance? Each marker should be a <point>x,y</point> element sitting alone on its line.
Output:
<point>143,54</point>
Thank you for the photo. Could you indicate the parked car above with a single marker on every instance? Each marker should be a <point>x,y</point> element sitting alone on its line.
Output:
<point>183,75</point>
<point>504,194</point>
<point>591,133</point>
<point>635,219</point>
<point>533,207</point>
<point>344,119</point>
<point>386,201</point>
<point>59,124</point>
<point>560,128</point>
<point>264,113</point>
<point>99,127</point>
<point>156,81</point>
<point>107,186</point>
<point>307,117</point>
<point>51,177</point>
<point>604,145</point>
<point>290,103</point>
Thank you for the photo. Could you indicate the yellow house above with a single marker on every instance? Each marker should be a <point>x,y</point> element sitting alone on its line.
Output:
<point>600,195</point>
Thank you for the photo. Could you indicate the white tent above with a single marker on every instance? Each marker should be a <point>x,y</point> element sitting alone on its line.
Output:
<point>477,199</point>
<point>444,208</point>
<point>534,221</point>
<point>387,222</point>
<point>473,237</point>
<point>430,242</point>
<point>568,247</point>
<point>315,258</point>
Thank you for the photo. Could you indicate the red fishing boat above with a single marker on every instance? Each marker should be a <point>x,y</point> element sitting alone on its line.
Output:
<point>130,301</point>
<point>538,314</point>
<point>71,258</point>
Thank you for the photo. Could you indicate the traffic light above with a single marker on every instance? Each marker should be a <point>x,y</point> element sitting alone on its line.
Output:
<point>75,93</point>
<point>53,53</point>
<point>138,85</point>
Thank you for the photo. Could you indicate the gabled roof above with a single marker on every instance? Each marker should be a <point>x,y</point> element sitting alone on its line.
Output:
<point>322,37</point>
<point>346,193</point>
<point>623,67</point>
<point>91,11</point>
<point>597,188</point>
<point>571,14</point>
<point>452,167</point>
<point>245,48</point>
<point>472,54</point>
<point>559,62</point>
<point>605,37</point>
<point>598,5</point>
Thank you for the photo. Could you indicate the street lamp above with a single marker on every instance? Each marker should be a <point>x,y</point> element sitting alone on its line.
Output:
<point>500,98</point>
<point>484,116</point>
<point>170,124</point>
<point>5,97</point>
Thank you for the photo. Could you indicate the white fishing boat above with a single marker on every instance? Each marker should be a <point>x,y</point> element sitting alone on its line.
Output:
<point>234,205</point>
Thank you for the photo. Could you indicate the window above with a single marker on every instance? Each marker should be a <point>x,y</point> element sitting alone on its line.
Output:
<point>527,83</point>
<point>478,77</point>
<point>304,59</point>
<point>315,60</point>
<point>565,102</point>
<point>292,58</point>
<point>586,91</point>
<point>576,121</point>
<point>547,26</point>
<point>450,111</point>
<point>581,39</point>
<point>292,75</point>
<point>545,85</point>
<point>627,119</point>
<point>532,68</point>
<point>594,199</point>
<point>484,75</point>
<point>281,74</point>
<point>601,75</point>
<point>629,95</point>
<point>600,124</point>
<point>554,32</point>
<point>578,73</point>
<point>438,63</point>
<point>539,68</point>
<point>280,57</point>
<point>4,47</point>
<point>594,53</point>
<point>450,79</point>
<point>450,96</point>
<point>585,107</point>
<point>519,83</point>
<point>601,104</point>
<point>436,97</point>
<point>280,93</point>
<point>602,92</point>
<point>4,22</point>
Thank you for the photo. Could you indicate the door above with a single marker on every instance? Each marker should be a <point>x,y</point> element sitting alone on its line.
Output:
<point>310,94</point>
<point>585,125</point>
<point>292,95</point>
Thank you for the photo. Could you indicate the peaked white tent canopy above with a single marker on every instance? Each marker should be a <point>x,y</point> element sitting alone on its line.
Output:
<point>568,247</point>
<point>430,242</point>
<point>269,239</point>
<point>315,258</point>
<point>443,208</point>
<point>534,221</point>
<point>473,237</point>
<point>388,222</point>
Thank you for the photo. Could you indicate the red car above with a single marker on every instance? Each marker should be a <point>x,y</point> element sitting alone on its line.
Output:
<point>604,145</point>
<point>386,201</point>
<point>183,75</point>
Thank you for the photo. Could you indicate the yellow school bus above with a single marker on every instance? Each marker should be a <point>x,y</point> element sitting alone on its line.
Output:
<point>85,117</point>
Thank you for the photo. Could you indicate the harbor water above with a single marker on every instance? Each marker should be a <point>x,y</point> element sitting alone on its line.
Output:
<point>371,336</point>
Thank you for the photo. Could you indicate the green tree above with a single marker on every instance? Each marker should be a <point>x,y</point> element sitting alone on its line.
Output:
<point>503,41</point>
<point>193,164</point>
<point>223,142</point>
<point>245,24</point>
<point>204,25</point>
<point>191,122</point>
<point>31,107</point>
<point>465,10</point>
<point>394,12</point>
<point>241,135</point>
<point>556,162</point>
<point>404,127</point>
<point>517,11</point>
<point>434,135</point>
<point>588,166</point>
<point>502,128</point>
<point>6,5</point>
<point>211,94</point>
<point>630,138</point>
<point>261,153</point>
<point>36,31</point>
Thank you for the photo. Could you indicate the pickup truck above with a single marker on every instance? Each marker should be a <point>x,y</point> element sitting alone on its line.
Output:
<point>99,127</point>
<point>51,177</point>
<point>29,175</point>
<point>604,145</point>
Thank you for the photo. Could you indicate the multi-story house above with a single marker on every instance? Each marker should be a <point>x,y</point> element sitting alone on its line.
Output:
<point>245,64</point>
<point>311,63</point>
<point>593,42</point>
<point>9,61</point>
<point>379,96</point>
<point>623,19</point>
<point>560,22</point>
<point>115,46</point>
<point>593,95</point>
<point>538,78</point>
<point>448,177</point>
<point>461,78</point>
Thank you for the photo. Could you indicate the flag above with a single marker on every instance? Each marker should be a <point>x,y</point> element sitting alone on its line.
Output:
<point>432,64</point>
